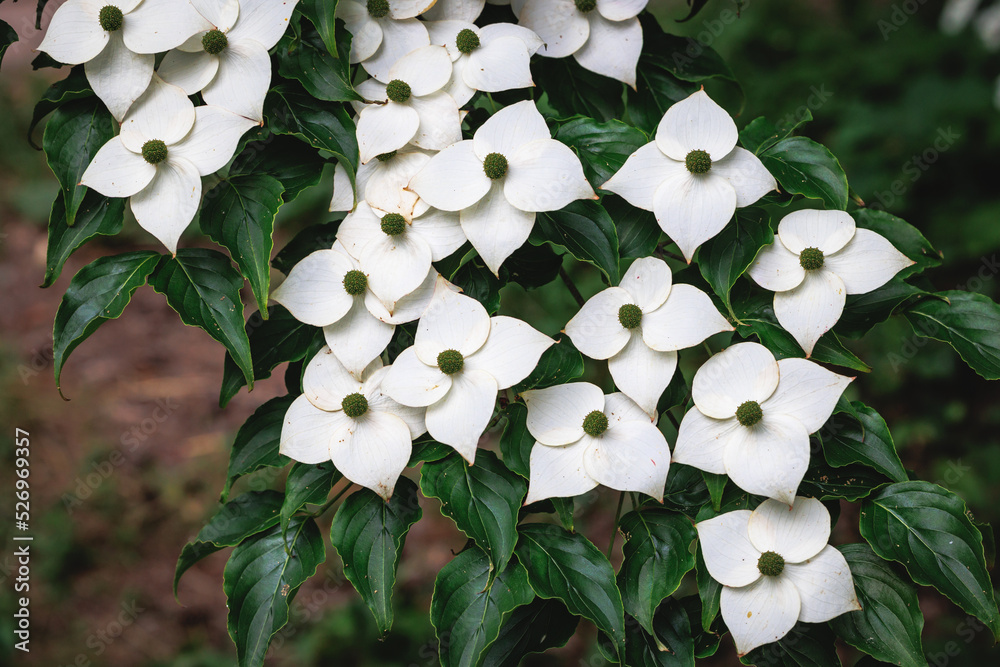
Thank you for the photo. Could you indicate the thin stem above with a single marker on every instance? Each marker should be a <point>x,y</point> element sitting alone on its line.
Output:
<point>673,420</point>
<point>614,528</point>
<point>328,504</point>
<point>571,287</point>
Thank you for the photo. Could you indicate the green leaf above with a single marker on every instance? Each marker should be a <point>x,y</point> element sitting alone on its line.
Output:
<point>238,214</point>
<point>656,557</point>
<point>531,266</point>
<point>97,216</point>
<point>309,61</point>
<point>638,231</point>
<point>516,442</point>
<point>204,289</point>
<point>260,580</point>
<point>98,292</point>
<point>7,37</point>
<point>235,521</point>
<point>862,438</point>
<point>968,322</point>
<point>716,485</point>
<point>427,449</point>
<point>329,127</point>
<point>760,134</point>
<point>369,533</point>
<point>296,166</point>
<point>804,167</point>
<point>73,136</point>
<point>685,58</point>
<point>889,623</point>
<point>907,238</point>
<point>74,87</point>
<point>864,311</point>
<point>559,364</point>
<point>573,90</point>
<point>322,15</point>
<point>727,256</point>
<point>567,566</point>
<point>805,645</point>
<point>533,628</point>
<point>927,529</point>
<point>709,591</point>
<point>851,482</point>
<point>307,484</point>
<point>601,147</point>
<point>470,606</point>
<point>669,644</point>
<point>310,239</point>
<point>478,282</point>
<point>257,442</point>
<point>586,231</point>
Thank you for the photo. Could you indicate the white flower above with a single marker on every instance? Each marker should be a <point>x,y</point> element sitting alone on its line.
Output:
<point>229,62</point>
<point>603,35</point>
<point>328,289</point>
<point>492,58</point>
<point>816,260</point>
<point>693,176</point>
<point>383,31</point>
<point>460,358</point>
<point>117,39</point>
<point>380,182</point>
<point>396,249</point>
<point>752,417</point>
<point>584,438</point>
<point>351,422</point>
<point>639,326</point>
<point>165,146</point>
<point>410,107</point>
<point>500,178</point>
<point>776,568</point>
<point>457,10</point>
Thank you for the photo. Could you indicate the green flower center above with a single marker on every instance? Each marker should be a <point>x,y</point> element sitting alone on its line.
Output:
<point>355,283</point>
<point>385,157</point>
<point>495,166</point>
<point>393,224</point>
<point>398,91</point>
<point>630,315</point>
<point>451,362</point>
<point>355,405</point>
<point>770,564</point>
<point>811,259</point>
<point>378,8</point>
<point>749,413</point>
<point>467,40</point>
<point>595,423</point>
<point>111,18</point>
<point>154,151</point>
<point>698,162</point>
<point>586,5</point>
<point>214,41</point>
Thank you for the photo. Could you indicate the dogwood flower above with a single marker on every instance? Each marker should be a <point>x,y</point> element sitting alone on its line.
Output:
<point>455,10</point>
<point>492,58</point>
<point>460,358</point>
<point>351,421</point>
<point>383,31</point>
<point>395,249</point>
<point>776,568</point>
<point>116,40</point>
<point>165,146</point>
<point>692,176</point>
<point>411,107</point>
<point>500,178</point>
<point>639,326</point>
<point>328,289</point>
<point>229,63</point>
<point>816,260</point>
<point>603,35</point>
<point>584,438</point>
<point>381,182</point>
<point>752,417</point>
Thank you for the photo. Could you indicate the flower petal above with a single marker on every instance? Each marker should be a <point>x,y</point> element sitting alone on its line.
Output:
<point>314,291</point>
<point>326,382</point>
<point>444,31</point>
<point>190,72</point>
<point>511,352</point>
<point>405,9</point>
<point>741,372</point>
<point>825,586</point>
<point>343,198</point>
<point>794,533</point>
<point>414,304</point>
<point>619,10</point>
<point>812,308</point>
<point>263,21</point>
<point>632,456</point>
<point>867,262</point>
<point>74,35</point>
<point>545,175</point>
<point>220,13</point>
<point>806,391</point>
<point>382,184</point>
<point>641,373</point>
<point>412,382</point>
<point>761,613</point>
<point>596,330</point>
<point>453,179</point>
<point>441,230</point>
<point>509,129</point>
<point>460,418</point>
<point>163,112</point>
<point>730,557</point>
<point>620,408</point>
<point>501,64</point>
<point>747,174</point>
<point>462,10</point>
<point>366,33</point>
<point>378,400</point>
<point>612,48</point>
<point>396,265</point>
<point>359,228</point>
<point>119,77</point>
<point>692,208</point>
<point>452,322</point>
<point>456,86</point>
<point>776,268</point>
<point>641,176</point>
<point>426,69</point>
<point>399,37</point>
<point>494,31</point>
<point>562,27</point>
<point>558,472</point>
<point>696,124</point>
<point>242,81</point>
<point>556,414</point>
<point>306,431</point>
<point>155,26</point>
<point>827,230</point>
<point>440,121</point>
<point>702,441</point>
<point>385,128</point>
<point>358,337</point>
<point>686,319</point>
<point>116,171</point>
<point>166,206</point>
<point>495,228</point>
<point>648,281</point>
<point>372,451</point>
<point>213,139</point>
<point>770,458</point>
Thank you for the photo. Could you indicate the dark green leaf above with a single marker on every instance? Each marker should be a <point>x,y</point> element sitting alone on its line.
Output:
<point>325,76</point>
<point>727,256</point>
<point>670,643</point>
<point>427,449</point>
<point>686,58</point>
<point>327,126</point>
<point>586,231</point>
<point>907,238</point>
<point>761,133</point>
<point>685,490</point>
<point>968,322</point>
<point>559,364</point>
<point>257,442</point>
<point>7,37</point>
<point>310,239</point>
<point>97,216</point>
<point>516,442</point>
<point>74,87</point>
<point>716,487</point>
<point>709,591</point>
<point>862,438</point>
<point>806,645</point>
<point>530,266</point>
<point>477,281</point>
<point>601,147</point>
<point>322,15</point>
<point>696,6</point>
<point>638,231</point>
<point>572,90</point>
<point>804,167</point>
<point>307,484</point>
<point>533,628</point>
<point>297,166</point>
<point>851,482</point>
<point>864,311</point>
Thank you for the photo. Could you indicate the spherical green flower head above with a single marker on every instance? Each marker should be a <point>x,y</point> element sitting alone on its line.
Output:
<point>698,162</point>
<point>450,361</point>
<point>586,5</point>
<point>154,151</point>
<point>378,9</point>
<point>811,259</point>
<point>214,41</point>
<point>398,91</point>
<point>111,18</point>
<point>467,40</point>
<point>495,166</point>
<point>355,405</point>
<point>393,224</point>
<point>595,423</point>
<point>630,316</point>
<point>355,283</point>
<point>749,413</point>
<point>770,564</point>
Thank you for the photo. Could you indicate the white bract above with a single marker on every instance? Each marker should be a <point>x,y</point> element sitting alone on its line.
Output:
<point>492,58</point>
<point>776,568</point>
<point>752,417</point>
<point>639,326</point>
<point>693,177</point>
<point>457,10</point>
<point>328,289</point>
<point>499,179</point>
<point>410,106</point>
<point>584,438</point>
<point>229,63</point>
<point>460,358</point>
<point>396,249</point>
<point>383,31</point>
<point>381,182</point>
<point>351,422</point>
<point>603,35</point>
<point>165,146</point>
<point>816,260</point>
<point>117,39</point>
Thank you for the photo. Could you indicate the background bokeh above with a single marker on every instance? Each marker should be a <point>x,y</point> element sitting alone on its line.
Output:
<point>127,470</point>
